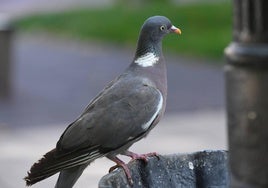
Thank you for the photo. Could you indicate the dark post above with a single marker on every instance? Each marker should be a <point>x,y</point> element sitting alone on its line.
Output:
<point>5,64</point>
<point>247,94</point>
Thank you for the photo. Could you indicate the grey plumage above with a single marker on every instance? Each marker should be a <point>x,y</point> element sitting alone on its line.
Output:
<point>69,176</point>
<point>123,113</point>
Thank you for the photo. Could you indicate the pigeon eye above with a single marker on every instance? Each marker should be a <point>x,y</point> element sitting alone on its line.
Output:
<point>162,28</point>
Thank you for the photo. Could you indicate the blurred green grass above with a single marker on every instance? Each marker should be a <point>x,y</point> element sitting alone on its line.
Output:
<point>206,27</point>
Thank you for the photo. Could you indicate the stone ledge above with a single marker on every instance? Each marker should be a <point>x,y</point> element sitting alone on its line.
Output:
<point>199,169</point>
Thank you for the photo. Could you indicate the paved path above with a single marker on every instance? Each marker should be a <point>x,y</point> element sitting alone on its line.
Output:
<point>17,8</point>
<point>24,7</point>
<point>54,79</point>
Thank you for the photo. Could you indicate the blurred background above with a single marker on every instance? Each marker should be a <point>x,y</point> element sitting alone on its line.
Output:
<point>55,56</point>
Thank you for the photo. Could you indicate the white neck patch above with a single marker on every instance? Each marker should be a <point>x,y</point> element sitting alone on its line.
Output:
<point>147,60</point>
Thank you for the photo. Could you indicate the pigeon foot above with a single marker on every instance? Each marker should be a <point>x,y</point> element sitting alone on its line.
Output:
<point>143,157</point>
<point>120,163</point>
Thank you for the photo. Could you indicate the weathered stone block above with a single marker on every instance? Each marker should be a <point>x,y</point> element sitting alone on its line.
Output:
<point>199,169</point>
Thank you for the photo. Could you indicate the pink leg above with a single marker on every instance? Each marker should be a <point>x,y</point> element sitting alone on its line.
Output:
<point>120,163</point>
<point>143,157</point>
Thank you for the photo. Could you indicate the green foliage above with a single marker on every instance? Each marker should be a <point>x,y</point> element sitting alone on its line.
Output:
<point>206,28</point>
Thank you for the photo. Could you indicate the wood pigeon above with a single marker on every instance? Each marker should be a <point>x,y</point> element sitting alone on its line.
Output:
<point>121,114</point>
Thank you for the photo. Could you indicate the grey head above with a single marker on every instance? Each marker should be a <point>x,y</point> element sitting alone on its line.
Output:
<point>152,32</point>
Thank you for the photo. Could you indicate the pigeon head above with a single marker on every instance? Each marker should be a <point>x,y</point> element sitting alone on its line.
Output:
<point>152,32</point>
<point>156,27</point>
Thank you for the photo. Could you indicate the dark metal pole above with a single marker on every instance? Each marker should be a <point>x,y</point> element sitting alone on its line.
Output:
<point>247,94</point>
<point>5,56</point>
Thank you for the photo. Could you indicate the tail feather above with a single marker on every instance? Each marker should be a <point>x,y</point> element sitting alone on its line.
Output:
<point>68,177</point>
<point>51,163</point>
<point>36,173</point>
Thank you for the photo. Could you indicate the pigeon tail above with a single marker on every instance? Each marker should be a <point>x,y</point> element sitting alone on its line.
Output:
<point>40,170</point>
<point>51,163</point>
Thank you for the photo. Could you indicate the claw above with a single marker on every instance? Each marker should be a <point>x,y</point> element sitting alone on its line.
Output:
<point>113,168</point>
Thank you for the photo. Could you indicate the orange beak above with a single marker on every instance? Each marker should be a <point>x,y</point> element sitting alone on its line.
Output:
<point>175,30</point>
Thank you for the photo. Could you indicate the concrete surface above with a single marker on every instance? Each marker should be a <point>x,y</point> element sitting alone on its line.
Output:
<point>192,170</point>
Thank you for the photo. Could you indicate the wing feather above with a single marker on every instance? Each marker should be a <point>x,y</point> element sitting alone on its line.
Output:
<point>124,111</point>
